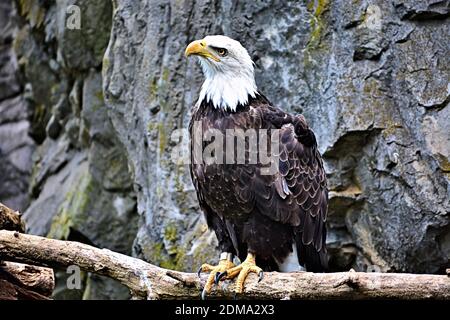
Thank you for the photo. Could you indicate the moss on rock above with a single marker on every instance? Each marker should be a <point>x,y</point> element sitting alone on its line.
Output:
<point>73,211</point>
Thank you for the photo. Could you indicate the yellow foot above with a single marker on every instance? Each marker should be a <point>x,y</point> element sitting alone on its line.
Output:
<point>242,271</point>
<point>215,272</point>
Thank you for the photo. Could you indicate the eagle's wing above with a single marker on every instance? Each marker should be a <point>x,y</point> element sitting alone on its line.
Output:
<point>297,193</point>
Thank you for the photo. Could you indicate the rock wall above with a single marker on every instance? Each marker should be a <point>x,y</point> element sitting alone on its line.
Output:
<point>16,147</point>
<point>371,77</point>
<point>80,183</point>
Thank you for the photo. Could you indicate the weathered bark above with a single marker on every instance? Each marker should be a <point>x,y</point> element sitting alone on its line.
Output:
<point>10,291</point>
<point>10,219</point>
<point>148,281</point>
<point>38,279</point>
<point>20,281</point>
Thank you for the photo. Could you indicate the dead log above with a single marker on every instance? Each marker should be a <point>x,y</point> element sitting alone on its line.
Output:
<point>20,281</point>
<point>10,219</point>
<point>38,279</point>
<point>10,291</point>
<point>148,281</point>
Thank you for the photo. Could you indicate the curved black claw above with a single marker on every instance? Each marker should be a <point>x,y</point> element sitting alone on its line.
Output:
<point>220,276</point>
<point>216,278</point>
<point>260,276</point>
<point>199,272</point>
<point>204,294</point>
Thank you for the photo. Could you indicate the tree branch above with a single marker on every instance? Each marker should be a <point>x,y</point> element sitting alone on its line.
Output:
<point>17,280</point>
<point>148,281</point>
<point>11,291</point>
<point>38,279</point>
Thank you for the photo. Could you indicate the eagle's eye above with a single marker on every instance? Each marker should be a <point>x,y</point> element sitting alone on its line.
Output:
<point>221,51</point>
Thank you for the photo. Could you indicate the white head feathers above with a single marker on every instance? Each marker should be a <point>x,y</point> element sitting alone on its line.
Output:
<point>228,70</point>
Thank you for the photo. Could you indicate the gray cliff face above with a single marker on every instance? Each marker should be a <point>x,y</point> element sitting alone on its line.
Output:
<point>102,104</point>
<point>80,183</point>
<point>16,147</point>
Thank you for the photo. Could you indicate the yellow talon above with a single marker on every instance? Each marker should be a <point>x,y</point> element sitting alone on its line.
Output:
<point>242,271</point>
<point>215,272</point>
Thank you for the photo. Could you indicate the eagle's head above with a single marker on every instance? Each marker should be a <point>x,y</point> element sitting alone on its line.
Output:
<point>228,69</point>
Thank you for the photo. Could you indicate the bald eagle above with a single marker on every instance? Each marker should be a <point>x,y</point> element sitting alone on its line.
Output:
<point>272,222</point>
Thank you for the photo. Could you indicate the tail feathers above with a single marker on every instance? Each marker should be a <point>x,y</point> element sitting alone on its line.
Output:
<point>311,259</point>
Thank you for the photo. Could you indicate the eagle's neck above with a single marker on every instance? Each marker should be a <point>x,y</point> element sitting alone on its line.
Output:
<point>226,89</point>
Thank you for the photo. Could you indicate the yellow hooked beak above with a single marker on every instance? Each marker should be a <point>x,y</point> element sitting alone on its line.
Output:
<point>199,48</point>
